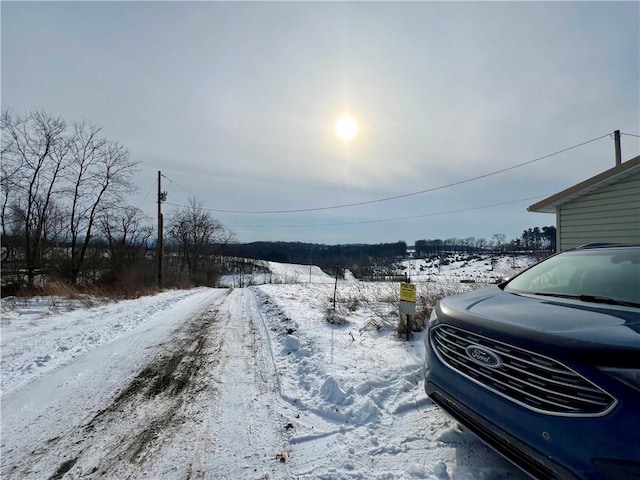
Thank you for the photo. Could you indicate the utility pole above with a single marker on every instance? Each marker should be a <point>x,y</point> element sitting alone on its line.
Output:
<point>616,140</point>
<point>162,196</point>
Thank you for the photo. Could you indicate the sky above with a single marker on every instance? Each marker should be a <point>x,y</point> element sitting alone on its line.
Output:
<point>236,103</point>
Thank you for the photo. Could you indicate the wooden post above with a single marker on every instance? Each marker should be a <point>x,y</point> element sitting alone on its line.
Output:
<point>159,242</point>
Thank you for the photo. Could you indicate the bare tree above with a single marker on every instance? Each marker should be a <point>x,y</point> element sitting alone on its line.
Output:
<point>99,174</point>
<point>34,150</point>
<point>196,233</point>
<point>8,167</point>
<point>127,236</point>
<point>498,240</point>
<point>469,243</point>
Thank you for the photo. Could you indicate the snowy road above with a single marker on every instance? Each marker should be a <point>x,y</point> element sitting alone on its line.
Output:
<point>151,402</point>
<point>247,383</point>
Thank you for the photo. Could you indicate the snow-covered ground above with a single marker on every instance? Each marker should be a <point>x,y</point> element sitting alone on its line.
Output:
<point>244,383</point>
<point>485,269</point>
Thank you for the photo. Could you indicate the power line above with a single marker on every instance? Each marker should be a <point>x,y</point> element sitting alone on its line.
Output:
<point>412,217</point>
<point>396,197</point>
<point>147,195</point>
<point>630,134</point>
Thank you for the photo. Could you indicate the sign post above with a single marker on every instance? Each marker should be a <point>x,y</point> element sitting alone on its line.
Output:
<point>407,304</point>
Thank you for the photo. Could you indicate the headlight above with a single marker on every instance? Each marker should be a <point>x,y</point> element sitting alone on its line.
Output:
<point>628,376</point>
<point>434,316</point>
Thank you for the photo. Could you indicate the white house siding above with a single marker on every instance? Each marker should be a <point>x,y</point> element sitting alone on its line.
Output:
<point>608,214</point>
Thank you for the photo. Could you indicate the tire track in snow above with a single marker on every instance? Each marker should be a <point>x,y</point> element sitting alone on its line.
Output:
<point>259,322</point>
<point>254,446</point>
<point>162,390</point>
<point>130,431</point>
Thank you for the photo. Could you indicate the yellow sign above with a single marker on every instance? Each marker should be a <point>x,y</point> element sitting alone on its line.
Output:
<point>408,292</point>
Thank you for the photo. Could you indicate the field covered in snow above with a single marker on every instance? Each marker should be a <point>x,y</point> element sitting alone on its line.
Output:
<point>234,383</point>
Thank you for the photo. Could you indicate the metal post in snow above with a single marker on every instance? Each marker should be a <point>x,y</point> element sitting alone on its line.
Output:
<point>335,288</point>
<point>408,327</point>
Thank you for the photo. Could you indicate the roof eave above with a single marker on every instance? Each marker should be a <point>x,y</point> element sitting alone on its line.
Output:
<point>550,204</point>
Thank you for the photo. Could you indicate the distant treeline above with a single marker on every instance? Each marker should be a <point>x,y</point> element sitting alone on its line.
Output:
<point>534,240</point>
<point>364,259</point>
<point>324,256</point>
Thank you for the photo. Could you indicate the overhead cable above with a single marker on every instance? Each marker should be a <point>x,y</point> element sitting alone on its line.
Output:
<point>361,222</point>
<point>405,195</point>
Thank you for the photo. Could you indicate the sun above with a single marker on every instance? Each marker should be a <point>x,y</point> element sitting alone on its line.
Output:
<point>346,128</point>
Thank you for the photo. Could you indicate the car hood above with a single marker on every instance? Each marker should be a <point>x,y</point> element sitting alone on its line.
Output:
<point>570,318</point>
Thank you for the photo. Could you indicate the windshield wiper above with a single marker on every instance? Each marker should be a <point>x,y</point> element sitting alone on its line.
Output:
<point>558,295</point>
<point>589,298</point>
<point>607,300</point>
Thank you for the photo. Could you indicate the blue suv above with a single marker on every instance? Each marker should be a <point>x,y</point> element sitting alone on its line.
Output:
<point>545,368</point>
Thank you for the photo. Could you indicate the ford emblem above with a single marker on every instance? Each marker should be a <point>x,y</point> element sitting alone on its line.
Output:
<point>483,356</point>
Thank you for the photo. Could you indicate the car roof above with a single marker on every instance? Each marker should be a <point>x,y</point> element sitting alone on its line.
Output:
<point>607,245</point>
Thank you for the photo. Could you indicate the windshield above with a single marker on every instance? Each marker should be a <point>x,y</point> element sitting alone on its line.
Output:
<point>602,274</point>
